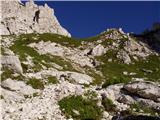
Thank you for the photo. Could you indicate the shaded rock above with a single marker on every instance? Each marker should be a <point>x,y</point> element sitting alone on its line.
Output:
<point>112,92</point>
<point>144,89</point>
<point>150,103</point>
<point>126,99</point>
<point>123,55</point>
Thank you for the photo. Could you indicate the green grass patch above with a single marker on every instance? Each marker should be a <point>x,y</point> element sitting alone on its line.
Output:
<point>1,97</point>
<point>97,78</point>
<point>65,41</point>
<point>107,42</point>
<point>52,80</point>
<point>36,83</point>
<point>2,51</point>
<point>113,71</point>
<point>20,47</point>
<point>115,80</point>
<point>87,108</point>
<point>60,39</point>
<point>8,73</point>
<point>108,105</point>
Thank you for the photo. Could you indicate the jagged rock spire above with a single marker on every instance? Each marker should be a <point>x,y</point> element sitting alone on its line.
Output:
<point>18,18</point>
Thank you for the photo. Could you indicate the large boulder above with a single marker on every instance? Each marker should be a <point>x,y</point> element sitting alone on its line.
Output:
<point>144,89</point>
<point>98,50</point>
<point>18,86</point>
<point>11,96</point>
<point>149,103</point>
<point>79,78</point>
<point>49,47</point>
<point>123,55</point>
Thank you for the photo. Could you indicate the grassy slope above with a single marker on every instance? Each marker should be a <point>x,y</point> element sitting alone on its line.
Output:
<point>112,71</point>
<point>20,48</point>
<point>87,108</point>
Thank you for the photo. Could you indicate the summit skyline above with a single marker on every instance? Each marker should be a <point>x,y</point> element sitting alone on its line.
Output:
<point>89,18</point>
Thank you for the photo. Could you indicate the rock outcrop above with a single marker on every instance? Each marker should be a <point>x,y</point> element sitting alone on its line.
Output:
<point>98,50</point>
<point>18,18</point>
<point>18,86</point>
<point>145,93</point>
<point>148,90</point>
<point>13,62</point>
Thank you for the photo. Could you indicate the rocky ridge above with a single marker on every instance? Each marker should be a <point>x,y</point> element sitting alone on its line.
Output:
<point>19,18</point>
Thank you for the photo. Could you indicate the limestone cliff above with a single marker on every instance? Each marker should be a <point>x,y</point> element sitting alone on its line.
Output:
<point>18,18</point>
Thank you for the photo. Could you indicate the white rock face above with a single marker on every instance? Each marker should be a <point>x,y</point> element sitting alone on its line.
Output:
<point>81,60</point>
<point>49,47</point>
<point>18,86</point>
<point>75,77</point>
<point>123,95</point>
<point>80,78</point>
<point>13,62</point>
<point>29,18</point>
<point>11,97</point>
<point>137,48</point>
<point>98,50</point>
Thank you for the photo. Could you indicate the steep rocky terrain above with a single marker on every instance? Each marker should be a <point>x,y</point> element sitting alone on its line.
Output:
<point>18,18</point>
<point>47,76</point>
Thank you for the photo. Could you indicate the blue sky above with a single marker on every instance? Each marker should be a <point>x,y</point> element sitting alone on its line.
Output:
<point>85,19</point>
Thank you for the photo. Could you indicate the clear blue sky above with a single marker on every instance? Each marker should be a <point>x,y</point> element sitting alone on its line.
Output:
<point>84,19</point>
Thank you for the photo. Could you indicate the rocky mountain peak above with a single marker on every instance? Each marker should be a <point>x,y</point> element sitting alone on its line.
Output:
<point>18,18</point>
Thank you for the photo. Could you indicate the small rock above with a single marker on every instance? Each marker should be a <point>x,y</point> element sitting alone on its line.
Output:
<point>13,62</point>
<point>76,112</point>
<point>125,73</point>
<point>105,114</point>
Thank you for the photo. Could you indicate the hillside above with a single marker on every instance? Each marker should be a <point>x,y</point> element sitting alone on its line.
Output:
<point>62,71</point>
<point>51,76</point>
